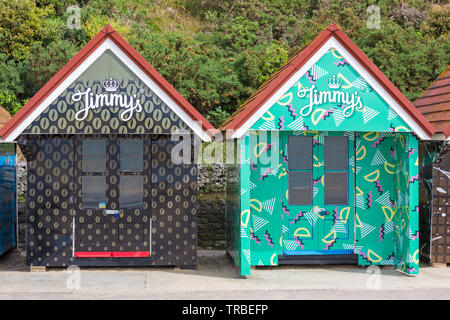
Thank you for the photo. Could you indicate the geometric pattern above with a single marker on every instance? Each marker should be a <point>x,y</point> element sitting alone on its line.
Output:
<point>375,115</point>
<point>384,163</point>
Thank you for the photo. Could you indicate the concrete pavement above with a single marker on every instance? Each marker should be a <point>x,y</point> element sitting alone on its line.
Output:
<point>217,278</point>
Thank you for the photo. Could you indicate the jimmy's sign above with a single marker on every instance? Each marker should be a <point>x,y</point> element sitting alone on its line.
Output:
<point>111,97</point>
<point>349,100</point>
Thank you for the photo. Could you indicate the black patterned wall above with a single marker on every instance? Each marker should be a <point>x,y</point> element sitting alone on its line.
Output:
<point>53,204</point>
<point>174,207</point>
<point>109,78</point>
<point>166,222</point>
<point>50,198</point>
<point>440,216</point>
<point>156,117</point>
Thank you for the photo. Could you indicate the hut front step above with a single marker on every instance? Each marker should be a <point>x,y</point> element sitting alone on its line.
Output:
<point>318,259</point>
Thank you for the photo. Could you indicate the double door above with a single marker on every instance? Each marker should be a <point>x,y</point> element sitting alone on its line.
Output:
<point>321,193</point>
<point>112,216</point>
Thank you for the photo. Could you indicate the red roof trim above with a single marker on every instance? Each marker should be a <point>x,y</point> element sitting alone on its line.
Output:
<point>306,54</point>
<point>107,32</point>
<point>434,103</point>
<point>447,131</point>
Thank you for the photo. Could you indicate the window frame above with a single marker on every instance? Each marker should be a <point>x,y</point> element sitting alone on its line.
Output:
<point>312,171</point>
<point>131,173</point>
<point>325,171</point>
<point>319,170</point>
<point>94,173</point>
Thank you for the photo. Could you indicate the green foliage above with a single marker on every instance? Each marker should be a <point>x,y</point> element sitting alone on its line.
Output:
<point>10,75</point>
<point>21,24</point>
<point>256,64</point>
<point>404,58</point>
<point>217,116</point>
<point>218,52</point>
<point>437,23</point>
<point>194,66</point>
<point>44,62</point>
<point>9,102</point>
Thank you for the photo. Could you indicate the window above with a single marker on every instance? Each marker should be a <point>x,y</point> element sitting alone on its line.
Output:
<point>131,185</point>
<point>93,192</point>
<point>131,155</point>
<point>332,165</point>
<point>131,191</point>
<point>94,155</point>
<point>300,188</point>
<point>336,188</point>
<point>336,170</point>
<point>93,182</point>
<point>336,153</point>
<point>300,154</point>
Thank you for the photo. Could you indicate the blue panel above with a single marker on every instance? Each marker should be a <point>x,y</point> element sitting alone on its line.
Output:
<point>7,197</point>
<point>316,252</point>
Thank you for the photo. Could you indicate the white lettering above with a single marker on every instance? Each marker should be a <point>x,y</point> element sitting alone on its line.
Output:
<point>130,104</point>
<point>349,102</point>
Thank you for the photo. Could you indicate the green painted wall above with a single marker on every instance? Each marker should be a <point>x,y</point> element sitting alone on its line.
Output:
<point>385,207</point>
<point>387,200</point>
<point>292,111</point>
<point>331,98</point>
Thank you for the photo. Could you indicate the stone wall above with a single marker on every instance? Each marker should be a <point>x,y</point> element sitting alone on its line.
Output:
<point>22,196</point>
<point>211,207</point>
<point>21,180</point>
<point>211,224</point>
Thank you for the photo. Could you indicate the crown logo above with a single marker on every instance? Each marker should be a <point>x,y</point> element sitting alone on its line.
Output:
<point>334,82</point>
<point>111,84</point>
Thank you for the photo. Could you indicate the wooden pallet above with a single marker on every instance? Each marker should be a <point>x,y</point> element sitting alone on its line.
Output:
<point>38,268</point>
<point>439,265</point>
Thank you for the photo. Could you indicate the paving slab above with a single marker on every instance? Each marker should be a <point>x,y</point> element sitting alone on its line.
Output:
<point>217,278</point>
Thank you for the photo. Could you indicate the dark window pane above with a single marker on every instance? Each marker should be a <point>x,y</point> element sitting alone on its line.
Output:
<point>131,155</point>
<point>93,192</point>
<point>300,153</point>
<point>336,188</point>
<point>336,153</point>
<point>131,193</point>
<point>300,188</point>
<point>94,155</point>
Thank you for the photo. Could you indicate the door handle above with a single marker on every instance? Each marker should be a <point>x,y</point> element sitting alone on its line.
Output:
<point>321,211</point>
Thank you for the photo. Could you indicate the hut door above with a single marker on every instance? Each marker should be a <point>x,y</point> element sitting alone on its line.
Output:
<point>113,217</point>
<point>337,200</point>
<point>321,191</point>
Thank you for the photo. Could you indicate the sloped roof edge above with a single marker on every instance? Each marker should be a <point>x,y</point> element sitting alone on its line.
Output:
<point>107,32</point>
<point>294,64</point>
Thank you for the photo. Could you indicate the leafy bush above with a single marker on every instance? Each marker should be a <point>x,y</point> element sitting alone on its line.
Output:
<point>10,103</point>
<point>21,24</point>
<point>217,117</point>
<point>218,52</point>
<point>44,62</point>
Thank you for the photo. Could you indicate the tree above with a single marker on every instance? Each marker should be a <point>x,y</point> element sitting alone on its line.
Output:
<point>44,62</point>
<point>22,23</point>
